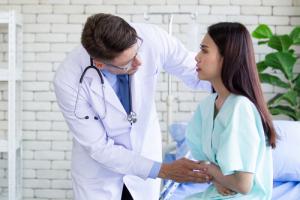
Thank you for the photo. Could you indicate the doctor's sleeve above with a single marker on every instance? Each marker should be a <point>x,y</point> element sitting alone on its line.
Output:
<point>193,136</point>
<point>90,134</point>
<point>239,142</point>
<point>178,61</point>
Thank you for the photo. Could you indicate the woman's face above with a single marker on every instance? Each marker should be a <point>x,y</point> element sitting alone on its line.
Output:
<point>209,60</point>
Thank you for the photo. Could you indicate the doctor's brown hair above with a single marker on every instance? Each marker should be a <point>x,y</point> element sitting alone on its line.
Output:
<point>105,36</point>
<point>239,73</point>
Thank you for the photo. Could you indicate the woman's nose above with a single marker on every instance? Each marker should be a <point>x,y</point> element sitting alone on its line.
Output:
<point>197,59</point>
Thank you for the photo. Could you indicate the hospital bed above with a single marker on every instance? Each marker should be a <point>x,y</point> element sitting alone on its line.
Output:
<point>286,163</point>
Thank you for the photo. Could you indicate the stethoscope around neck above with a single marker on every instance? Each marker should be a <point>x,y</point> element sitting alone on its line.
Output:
<point>131,116</point>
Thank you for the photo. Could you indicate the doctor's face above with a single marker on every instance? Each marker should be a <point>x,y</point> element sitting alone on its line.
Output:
<point>127,62</point>
<point>209,60</point>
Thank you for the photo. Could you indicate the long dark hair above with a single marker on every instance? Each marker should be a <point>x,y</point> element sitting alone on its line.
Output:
<point>239,73</point>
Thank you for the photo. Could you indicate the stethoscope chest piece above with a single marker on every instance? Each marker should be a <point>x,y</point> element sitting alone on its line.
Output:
<point>131,117</point>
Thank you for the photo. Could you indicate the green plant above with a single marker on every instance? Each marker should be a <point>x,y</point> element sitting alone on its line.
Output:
<point>283,59</point>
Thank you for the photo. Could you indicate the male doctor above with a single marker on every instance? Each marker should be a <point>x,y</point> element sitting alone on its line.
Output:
<point>110,109</point>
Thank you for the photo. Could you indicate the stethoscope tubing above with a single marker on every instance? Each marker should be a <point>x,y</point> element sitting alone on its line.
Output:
<point>131,116</point>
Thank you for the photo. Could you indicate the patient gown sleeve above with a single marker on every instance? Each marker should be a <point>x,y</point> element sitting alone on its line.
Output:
<point>193,136</point>
<point>239,142</point>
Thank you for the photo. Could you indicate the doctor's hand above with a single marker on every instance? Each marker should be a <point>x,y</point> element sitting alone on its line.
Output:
<point>184,170</point>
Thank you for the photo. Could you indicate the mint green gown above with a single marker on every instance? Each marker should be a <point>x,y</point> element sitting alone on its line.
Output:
<point>234,140</point>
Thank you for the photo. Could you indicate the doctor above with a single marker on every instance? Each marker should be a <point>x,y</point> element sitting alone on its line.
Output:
<point>105,90</point>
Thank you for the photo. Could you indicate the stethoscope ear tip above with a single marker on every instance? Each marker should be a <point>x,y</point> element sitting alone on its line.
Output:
<point>86,117</point>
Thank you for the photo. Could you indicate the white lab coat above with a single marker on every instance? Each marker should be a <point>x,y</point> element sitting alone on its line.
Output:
<point>110,152</point>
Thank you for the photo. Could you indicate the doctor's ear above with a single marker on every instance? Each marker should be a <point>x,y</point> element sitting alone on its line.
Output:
<point>98,64</point>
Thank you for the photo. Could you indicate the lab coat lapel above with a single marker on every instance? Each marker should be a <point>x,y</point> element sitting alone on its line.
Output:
<point>136,136</point>
<point>110,95</point>
<point>135,93</point>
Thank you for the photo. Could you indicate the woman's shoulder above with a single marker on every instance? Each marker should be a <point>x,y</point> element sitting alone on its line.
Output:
<point>240,104</point>
<point>240,100</point>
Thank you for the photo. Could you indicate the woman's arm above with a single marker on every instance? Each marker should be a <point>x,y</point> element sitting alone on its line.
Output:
<point>240,182</point>
<point>223,190</point>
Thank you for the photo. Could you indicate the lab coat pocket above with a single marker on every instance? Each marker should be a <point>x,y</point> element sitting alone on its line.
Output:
<point>83,166</point>
<point>110,112</point>
<point>86,169</point>
<point>115,122</point>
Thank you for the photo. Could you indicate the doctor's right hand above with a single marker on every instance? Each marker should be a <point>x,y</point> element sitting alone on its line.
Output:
<point>184,170</point>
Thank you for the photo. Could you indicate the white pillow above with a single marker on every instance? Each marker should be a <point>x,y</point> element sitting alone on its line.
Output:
<point>286,155</point>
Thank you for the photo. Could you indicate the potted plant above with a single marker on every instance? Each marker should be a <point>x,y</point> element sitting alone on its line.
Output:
<point>283,58</point>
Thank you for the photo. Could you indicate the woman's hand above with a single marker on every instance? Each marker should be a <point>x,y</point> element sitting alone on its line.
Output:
<point>223,190</point>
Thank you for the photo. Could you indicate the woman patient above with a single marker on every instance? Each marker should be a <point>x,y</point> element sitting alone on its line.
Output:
<point>232,127</point>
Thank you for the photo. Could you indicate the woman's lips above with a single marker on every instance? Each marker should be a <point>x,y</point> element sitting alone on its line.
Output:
<point>198,69</point>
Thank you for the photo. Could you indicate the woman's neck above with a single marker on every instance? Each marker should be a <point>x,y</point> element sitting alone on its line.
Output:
<point>220,88</point>
<point>222,92</point>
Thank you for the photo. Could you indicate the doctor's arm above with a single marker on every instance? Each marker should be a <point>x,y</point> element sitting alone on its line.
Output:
<point>178,61</point>
<point>90,134</point>
<point>184,170</point>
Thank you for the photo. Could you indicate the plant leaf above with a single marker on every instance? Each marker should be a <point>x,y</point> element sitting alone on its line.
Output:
<point>284,61</point>
<point>298,116</point>
<point>280,42</point>
<point>261,66</point>
<point>263,42</point>
<point>273,80</point>
<point>290,97</point>
<point>296,81</point>
<point>285,110</point>
<point>295,35</point>
<point>262,32</point>
<point>292,51</point>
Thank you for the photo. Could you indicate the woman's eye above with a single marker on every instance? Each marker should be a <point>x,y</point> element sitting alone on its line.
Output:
<point>203,50</point>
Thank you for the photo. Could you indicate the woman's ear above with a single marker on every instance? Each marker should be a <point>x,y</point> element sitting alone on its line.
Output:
<point>221,61</point>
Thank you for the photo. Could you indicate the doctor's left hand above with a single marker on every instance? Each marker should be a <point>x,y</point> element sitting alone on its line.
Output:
<point>184,170</point>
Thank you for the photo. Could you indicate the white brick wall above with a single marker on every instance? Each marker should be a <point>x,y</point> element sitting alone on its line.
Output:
<point>52,28</point>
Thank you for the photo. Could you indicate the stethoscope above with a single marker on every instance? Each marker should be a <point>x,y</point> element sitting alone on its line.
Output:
<point>131,116</point>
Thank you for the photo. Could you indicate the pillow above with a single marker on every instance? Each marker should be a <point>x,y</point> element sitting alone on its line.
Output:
<point>177,131</point>
<point>286,155</point>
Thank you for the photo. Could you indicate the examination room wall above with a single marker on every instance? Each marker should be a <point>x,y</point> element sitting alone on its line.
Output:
<point>52,28</point>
